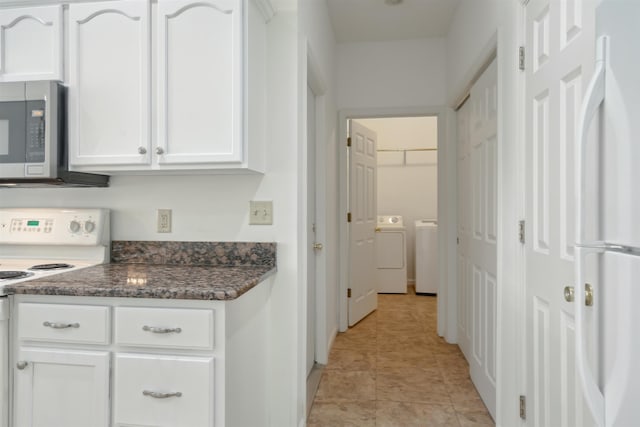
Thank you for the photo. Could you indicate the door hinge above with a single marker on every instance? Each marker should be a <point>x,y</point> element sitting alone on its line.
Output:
<point>348,216</point>
<point>349,142</point>
<point>523,407</point>
<point>521,58</point>
<point>521,231</point>
<point>348,292</point>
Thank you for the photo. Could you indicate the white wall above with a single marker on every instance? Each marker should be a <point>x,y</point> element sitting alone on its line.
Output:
<point>215,207</point>
<point>391,74</point>
<point>470,36</point>
<point>410,189</point>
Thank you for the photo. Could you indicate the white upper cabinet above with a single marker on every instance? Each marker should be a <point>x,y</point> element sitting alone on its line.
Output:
<point>31,43</point>
<point>109,83</point>
<point>199,68</point>
<point>205,110</point>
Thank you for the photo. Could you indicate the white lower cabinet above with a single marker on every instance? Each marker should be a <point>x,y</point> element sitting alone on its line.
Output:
<point>163,390</point>
<point>61,388</point>
<point>129,362</point>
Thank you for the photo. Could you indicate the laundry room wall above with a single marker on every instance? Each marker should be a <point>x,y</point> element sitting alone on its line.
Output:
<point>407,181</point>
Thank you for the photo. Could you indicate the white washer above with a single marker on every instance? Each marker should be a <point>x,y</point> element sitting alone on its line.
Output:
<point>391,255</point>
<point>426,257</point>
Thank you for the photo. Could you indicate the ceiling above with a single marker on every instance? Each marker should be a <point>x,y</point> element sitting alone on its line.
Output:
<point>374,20</point>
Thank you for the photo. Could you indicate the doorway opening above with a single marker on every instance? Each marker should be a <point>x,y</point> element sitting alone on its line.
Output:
<point>402,158</point>
<point>407,203</point>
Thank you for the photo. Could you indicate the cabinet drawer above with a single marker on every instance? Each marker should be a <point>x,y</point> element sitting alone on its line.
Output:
<point>163,390</point>
<point>164,327</point>
<point>63,323</point>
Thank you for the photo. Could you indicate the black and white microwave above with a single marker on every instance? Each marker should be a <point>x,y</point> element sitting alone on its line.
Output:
<point>33,145</point>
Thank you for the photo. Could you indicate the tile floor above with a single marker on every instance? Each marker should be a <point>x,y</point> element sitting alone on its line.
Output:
<point>392,369</point>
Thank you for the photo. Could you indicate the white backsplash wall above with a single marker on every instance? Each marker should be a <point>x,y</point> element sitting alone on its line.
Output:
<point>410,189</point>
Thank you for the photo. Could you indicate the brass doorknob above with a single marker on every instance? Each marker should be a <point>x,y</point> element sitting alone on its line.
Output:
<point>569,292</point>
<point>317,246</point>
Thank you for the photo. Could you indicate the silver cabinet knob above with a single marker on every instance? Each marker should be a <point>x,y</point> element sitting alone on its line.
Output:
<point>22,364</point>
<point>159,150</point>
<point>142,150</point>
<point>317,246</point>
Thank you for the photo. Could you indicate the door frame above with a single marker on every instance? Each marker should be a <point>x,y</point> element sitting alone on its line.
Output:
<point>447,308</point>
<point>316,82</point>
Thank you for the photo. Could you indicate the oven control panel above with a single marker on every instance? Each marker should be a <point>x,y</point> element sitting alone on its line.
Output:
<point>55,226</point>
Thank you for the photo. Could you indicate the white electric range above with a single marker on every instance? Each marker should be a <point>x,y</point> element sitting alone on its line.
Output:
<point>39,242</point>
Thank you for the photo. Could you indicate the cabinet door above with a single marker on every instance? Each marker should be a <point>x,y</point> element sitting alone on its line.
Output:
<point>163,391</point>
<point>109,79</point>
<point>200,81</point>
<point>61,388</point>
<point>31,44</point>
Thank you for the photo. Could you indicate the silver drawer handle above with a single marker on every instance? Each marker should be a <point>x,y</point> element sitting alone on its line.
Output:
<point>159,395</point>
<point>157,330</point>
<point>22,364</point>
<point>58,325</point>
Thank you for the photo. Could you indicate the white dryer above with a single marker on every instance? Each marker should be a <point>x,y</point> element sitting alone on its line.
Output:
<point>426,257</point>
<point>391,255</point>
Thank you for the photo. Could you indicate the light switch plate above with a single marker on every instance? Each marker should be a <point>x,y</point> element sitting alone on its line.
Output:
<point>260,212</point>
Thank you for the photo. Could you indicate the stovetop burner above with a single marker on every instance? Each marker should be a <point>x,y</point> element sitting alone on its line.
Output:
<point>4,275</point>
<point>58,266</point>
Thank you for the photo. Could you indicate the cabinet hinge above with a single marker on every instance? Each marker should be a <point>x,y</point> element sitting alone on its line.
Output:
<point>348,216</point>
<point>523,407</point>
<point>521,231</point>
<point>349,142</point>
<point>348,292</point>
<point>521,58</point>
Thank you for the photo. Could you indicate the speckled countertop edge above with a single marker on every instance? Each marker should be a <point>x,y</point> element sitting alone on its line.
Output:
<point>165,270</point>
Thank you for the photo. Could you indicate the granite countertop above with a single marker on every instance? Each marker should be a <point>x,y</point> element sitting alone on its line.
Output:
<point>175,270</point>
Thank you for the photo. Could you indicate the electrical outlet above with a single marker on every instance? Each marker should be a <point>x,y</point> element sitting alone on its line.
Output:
<point>260,213</point>
<point>164,221</point>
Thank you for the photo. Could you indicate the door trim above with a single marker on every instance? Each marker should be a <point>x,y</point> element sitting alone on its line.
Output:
<point>447,309</point>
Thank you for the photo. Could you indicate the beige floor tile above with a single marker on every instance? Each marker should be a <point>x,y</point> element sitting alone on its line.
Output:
<point>346,386</point>
<point>353,360</point>
<point>422,359</point>
<point>475,418</point>
<point>407,414</point>
<point>411,385</point>
<point>392,369</point>
<point>343,414</point>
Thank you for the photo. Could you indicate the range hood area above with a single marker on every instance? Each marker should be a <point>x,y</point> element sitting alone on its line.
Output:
<point>64,178</point>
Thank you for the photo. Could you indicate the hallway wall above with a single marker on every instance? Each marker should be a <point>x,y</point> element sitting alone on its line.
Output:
<point>391,74</point>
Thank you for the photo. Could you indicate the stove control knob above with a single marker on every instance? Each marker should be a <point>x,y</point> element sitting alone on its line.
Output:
<point>89,226</point>
<point>74,226</point>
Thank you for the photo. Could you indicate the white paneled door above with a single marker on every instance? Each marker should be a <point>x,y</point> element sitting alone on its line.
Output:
<point>559,49</point>
<point>479,238</point>
<point>363,208</point>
